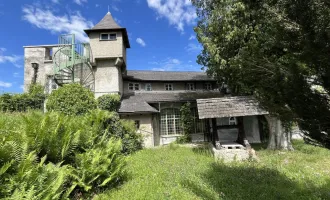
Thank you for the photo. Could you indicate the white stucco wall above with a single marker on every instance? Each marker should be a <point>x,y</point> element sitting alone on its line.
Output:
<point>107,49</point>
<point>108,78</point>
<point>146,128</point>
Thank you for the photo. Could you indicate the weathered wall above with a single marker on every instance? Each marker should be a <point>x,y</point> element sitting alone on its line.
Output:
<point>105,48</point>
<point>36,55</point>
<point>107,78</point>
<point>160,86</point>
<point>251,128</point>
<point>146,128</point>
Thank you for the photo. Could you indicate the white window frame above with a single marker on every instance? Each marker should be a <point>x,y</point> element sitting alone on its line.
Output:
<point>148,87</point>
<point>168,86</point>
<point>108,34</point>
<point>170,119</point>
<point>208,86</point>
<point>232,121</point>
<point>132,86</point>
<point>191,86</point>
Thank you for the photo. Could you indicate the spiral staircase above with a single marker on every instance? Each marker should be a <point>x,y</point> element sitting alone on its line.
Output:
<point>72,62</point>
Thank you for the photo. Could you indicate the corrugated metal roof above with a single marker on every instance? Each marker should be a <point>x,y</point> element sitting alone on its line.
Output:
<point>166,76</point>
<point>229,107</point>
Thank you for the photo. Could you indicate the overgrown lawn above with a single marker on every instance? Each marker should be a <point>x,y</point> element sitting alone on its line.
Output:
<point>175,172</point>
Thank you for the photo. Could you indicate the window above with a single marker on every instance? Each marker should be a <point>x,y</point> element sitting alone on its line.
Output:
<point>170,121</point>
<point>168,86</point>
<point>137,124</point>
<point>208,86</point>
<point>190,86</point>
<point>148,87</point>
<point>232,121</point>
<point>133,86</point>
<point>199,124</point>
<point>108,36</point>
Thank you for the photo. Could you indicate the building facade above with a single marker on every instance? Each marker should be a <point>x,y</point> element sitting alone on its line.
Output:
<point>152,99</point>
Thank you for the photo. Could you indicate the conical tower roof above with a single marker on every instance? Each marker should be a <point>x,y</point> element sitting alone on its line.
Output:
<point>109,24</point>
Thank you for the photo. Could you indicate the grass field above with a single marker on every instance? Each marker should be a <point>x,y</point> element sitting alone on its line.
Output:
<point>175,172</point>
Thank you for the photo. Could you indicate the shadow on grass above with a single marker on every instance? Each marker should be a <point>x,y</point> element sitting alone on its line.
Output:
<point>248,182</point>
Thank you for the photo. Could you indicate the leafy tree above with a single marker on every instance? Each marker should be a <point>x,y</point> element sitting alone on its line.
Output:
<point>71,99</point>
<point>109,102</point>
<point>277,50</point>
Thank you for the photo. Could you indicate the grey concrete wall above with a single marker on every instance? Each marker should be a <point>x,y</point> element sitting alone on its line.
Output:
<point>105,48</point>
<point>146,127</point>
<point>107,78</point>
<point>160,86</point>
<point>36,55</point>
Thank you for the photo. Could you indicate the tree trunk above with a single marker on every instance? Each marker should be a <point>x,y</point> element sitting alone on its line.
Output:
<point>279,139</point>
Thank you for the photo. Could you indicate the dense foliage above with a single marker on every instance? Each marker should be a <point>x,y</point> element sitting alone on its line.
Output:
<point>277,50</point>
<point>33,99</point>
<point>109,102</point>
<point>187,123</point>
<point>71,99</point>
<point>55,156</point>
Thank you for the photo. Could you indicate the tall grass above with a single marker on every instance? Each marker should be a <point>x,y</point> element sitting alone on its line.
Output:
<point>175,172</point>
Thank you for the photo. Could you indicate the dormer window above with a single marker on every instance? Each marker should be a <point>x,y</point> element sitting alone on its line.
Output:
<point>108,36</point>
<point>133,86</point>
<point>190,86</point>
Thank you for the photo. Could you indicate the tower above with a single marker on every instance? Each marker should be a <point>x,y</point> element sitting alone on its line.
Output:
<point>108,42</point>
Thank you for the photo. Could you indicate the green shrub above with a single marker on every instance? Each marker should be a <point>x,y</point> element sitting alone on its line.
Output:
<point>54,156</point>
<point>109,102</point>
<point>34,100</point>
<point>71,99</point>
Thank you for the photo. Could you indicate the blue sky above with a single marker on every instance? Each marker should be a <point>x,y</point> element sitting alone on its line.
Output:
<point>160,32</point>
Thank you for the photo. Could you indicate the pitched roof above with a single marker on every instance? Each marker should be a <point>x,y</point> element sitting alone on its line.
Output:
<point>229,107</point>
<point>166,76</point>
<point>139,102</point>
<point>108,23</point>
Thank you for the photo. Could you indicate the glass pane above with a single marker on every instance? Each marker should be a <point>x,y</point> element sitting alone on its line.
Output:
<point>113,36</point>
<point>137,86</point>
<point>104,36</point>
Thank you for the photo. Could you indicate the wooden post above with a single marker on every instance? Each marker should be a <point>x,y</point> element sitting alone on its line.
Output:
<point>241,134</point>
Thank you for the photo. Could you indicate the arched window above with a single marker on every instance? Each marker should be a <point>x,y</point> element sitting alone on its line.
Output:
<point>170,121</point>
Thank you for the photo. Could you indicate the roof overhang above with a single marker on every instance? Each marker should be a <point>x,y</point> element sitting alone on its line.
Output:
<point>123,30</point>
<point>229,107</point>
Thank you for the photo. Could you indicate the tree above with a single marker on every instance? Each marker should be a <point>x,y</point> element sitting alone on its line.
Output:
<point>276,50</point>
<point>187,122</point>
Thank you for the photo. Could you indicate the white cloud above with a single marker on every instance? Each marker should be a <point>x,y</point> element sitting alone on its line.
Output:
<point>141,42</point>
<point>14,59</point>
<point>97,5</point>
<point>192,37</point>
<point>178,12</point>
<point>80,2</point>
<point>115,8</point>
<point>46,19</point>
<point>55,1</point>
<point>5,84</point>
<point>193,47</point>
<point>173,64</point>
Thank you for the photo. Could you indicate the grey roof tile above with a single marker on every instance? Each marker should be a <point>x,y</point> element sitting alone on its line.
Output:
<point>229,107</point>
<point>166,76</point>
<point>139,101</point>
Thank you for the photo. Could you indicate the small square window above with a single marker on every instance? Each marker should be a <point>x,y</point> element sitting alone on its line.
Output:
<point>136,86</point>
<point>168,86</point>
<point>104,36</point>
<point>137,124</point>
<point>208,86</point>
<point>133,86</point>
<point>148,87</point>
<point>113,36</point>
<point>190,86</point>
